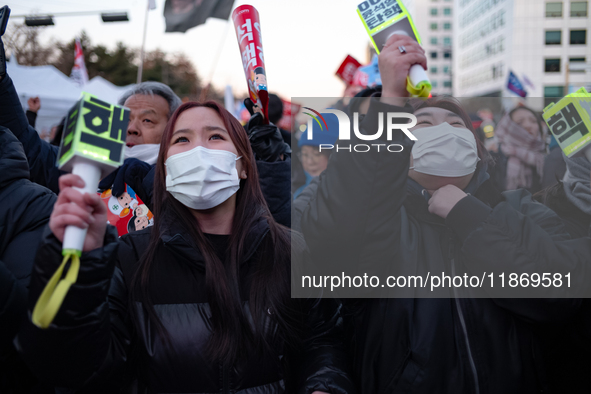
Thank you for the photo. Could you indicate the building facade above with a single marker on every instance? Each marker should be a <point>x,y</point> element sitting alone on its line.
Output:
<point>434,21</point>
<point>535,39</point>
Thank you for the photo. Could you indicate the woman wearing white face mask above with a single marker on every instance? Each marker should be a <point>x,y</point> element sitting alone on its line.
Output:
<point>198,303</point>
<point>426,210</point>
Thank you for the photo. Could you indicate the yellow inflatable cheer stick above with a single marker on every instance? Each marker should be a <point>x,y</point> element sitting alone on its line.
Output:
<point>92,147</point>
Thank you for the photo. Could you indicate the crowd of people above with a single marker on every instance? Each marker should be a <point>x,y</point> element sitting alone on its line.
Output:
<point>196,297</point>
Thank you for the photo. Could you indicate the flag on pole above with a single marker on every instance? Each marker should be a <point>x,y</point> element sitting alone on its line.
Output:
<point>182,15</point>
<point>528,82</point>
<point>514,85</point>
<point>79,74</point>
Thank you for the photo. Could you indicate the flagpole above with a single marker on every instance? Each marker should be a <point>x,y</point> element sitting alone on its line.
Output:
<point>141,67</point>
<point>205,91</point>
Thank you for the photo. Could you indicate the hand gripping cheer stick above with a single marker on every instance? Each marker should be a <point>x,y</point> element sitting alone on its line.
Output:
<point>384,18</point>
<point>92,147</point>
<point>570,122</point>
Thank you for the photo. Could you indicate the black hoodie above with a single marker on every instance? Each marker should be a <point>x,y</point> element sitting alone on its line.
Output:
<point>24,211</point>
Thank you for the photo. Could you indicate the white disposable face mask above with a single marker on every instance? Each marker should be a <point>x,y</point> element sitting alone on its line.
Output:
<point>202,178</point>
<point>444,150</point>
<point>143,152</point>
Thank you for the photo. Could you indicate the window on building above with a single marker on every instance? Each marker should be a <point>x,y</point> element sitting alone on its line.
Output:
<point>447,41</point>
<point>433,55</point>
<point>574,60</point>
<point>433,70</point>
<point>433,26</point>
<point>434,84</point>
<point>434,11</point>
<point>434,40</point>
<point>578,37</point>
<point>447,26</point>
<point>447,84</point>
<point>554,10</point>
<point>447,55</point>
<point>553,37</point>
<point>446,69</point>
<point>553,91</point>
<point>552,66</point>
<point>447,11</point>
<point>578,8</point>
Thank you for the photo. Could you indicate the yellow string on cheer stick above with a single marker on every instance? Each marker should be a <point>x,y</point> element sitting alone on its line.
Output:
<point>423,89</point>
<point>55,291</point>
<point>91,147</point>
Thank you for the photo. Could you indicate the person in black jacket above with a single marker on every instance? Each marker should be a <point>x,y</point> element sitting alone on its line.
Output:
<point>152,104</point>
<point>198,303</point>
<point>567,344</point>
<point>24,211</point>
<point>433,211</point>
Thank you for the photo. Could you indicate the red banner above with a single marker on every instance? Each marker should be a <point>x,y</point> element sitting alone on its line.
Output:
<point>347,69</point>
<point>290,110</point>
<point>248,32</point>
<point>127,213</point>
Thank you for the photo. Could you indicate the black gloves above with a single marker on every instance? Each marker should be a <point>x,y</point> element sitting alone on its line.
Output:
<point>265,140</point>
<point>133,172</point>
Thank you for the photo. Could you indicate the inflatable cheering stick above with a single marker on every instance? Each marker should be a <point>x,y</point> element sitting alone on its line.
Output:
<point>92,147</point>
<point>248,33</point>
<point>570,122</point>
<point>383,19</point>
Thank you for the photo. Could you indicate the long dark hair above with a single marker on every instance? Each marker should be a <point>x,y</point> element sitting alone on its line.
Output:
<point>453,105</point>
<point>233,337</point>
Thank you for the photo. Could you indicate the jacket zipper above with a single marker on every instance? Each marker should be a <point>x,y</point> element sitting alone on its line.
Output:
<point>461,315</point>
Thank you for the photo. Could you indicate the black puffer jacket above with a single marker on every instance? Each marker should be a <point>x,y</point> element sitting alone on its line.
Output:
<point>41,156</point>
<point>94,342</point>
<point>566,345</point>
<point>24,208</point>
<point>24,211</point>
<point>366,207</point>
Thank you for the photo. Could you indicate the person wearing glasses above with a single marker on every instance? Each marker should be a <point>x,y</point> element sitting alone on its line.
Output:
<point>314,153</point>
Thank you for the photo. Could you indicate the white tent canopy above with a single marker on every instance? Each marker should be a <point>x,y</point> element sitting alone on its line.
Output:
<point>56,91</point>
<point>105,90</point>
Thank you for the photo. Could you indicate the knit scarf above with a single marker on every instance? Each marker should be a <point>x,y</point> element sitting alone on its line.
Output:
<point>525,152</point>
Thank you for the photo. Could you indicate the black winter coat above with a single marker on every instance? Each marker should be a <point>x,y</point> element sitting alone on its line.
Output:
<point>566,345</point>
<point>423,345</point>
<point>94,342</point>
<point>41,156</point>
<point>24,211</point>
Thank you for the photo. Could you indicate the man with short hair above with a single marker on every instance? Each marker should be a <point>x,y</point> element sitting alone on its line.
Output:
<point>151,104</point>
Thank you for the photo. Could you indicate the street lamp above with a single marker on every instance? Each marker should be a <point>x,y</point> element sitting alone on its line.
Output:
<point>47,19</point>
<point>115,17</point>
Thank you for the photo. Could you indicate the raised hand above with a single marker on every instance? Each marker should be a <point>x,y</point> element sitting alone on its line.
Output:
<point>73,208</point>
